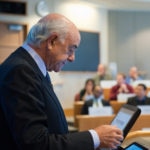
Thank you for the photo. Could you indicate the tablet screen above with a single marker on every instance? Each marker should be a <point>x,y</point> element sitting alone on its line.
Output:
<point>135,146</point>
<point>122,118</point>
<point>126,118</point>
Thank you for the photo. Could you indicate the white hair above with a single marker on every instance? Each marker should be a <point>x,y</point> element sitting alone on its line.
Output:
<point>42,30</point>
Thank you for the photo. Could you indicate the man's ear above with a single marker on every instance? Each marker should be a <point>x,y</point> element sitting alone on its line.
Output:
<point>52,39</point>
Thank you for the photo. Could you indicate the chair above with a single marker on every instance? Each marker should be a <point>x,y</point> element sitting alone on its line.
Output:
<point>77,110</point>
<point>106,92</point>
<point>116,106</point>
<point>77,97</point>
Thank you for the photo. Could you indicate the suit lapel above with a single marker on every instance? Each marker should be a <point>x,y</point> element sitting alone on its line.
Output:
<point>48,85</point>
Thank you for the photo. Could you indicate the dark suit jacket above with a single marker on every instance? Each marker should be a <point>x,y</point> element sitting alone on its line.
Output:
<point>31,117</point>
<point>134,101</point>
<point>89,103</point>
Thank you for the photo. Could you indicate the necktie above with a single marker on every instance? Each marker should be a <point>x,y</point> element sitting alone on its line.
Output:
<point>96,102</point>
<point>48,77</point>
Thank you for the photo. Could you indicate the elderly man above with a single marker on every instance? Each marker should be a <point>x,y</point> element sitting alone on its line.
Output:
<point>133,75</point>
<point>101,74</point>
<point>30,113</point>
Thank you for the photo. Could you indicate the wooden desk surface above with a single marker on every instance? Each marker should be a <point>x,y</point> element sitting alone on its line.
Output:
<point>86,122</point>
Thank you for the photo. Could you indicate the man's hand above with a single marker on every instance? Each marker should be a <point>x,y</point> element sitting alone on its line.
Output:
<point>123,88</point>
<point>110,136</point>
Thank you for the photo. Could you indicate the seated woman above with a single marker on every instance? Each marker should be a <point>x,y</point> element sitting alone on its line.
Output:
<point>87,92</point>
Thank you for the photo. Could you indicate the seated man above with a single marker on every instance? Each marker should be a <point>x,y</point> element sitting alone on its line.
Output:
<point>133,75</point>
<point>140,98</point>
<point>101,74</point>
<point>97,101</point>
<point>120,87</point>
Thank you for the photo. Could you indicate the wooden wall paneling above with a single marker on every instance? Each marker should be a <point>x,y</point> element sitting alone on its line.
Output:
<point>12,35</point>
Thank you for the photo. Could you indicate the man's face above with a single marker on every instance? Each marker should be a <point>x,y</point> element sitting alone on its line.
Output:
<point>97,92</point>
<point>101,70</point>
<point>61,53</point>
<point>133,72</point>
<point>120,79</point>
<point>140,92</point>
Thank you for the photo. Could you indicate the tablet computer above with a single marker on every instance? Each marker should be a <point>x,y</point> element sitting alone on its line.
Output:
<point>126,118</point>
<point>135,146</point>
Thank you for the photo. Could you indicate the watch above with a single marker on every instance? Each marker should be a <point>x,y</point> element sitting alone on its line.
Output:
<point>42,8</point>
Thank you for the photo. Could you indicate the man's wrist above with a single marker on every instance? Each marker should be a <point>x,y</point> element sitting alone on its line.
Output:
<point>95,137</point>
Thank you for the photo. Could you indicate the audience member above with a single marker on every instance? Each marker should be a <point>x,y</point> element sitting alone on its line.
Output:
<point>133,75</point>
<point>140,98</point>
<point>97,100</point>
<point>120,87</point>
<point>87,92</point>
<point>101,74</point>
<point>31,116</point>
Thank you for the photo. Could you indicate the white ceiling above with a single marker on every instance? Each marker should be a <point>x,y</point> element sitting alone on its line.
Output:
<point>143,5</point>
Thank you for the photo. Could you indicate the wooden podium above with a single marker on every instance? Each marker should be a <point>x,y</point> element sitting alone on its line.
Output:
<point>141,137</point>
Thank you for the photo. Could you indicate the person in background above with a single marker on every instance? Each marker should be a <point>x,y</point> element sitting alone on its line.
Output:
<point>87,92</point>
<point>133,75</point>
<point>141,97</point>
<point>96,101</point>
<point>31,117</point>
<point>120,87</point>
<point>101,74</point>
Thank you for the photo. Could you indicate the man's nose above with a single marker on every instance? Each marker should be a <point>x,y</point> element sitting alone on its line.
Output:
<point>71,57</point>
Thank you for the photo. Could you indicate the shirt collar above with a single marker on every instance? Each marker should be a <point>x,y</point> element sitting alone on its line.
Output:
<point>143,98</point>
<point>36,58</point>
